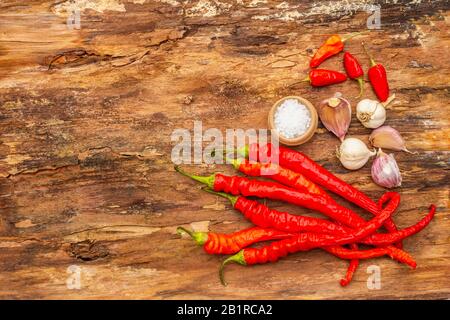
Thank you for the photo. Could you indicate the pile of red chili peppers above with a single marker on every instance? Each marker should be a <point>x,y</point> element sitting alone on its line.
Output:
<point>323,77</point>
<point>300,181</point>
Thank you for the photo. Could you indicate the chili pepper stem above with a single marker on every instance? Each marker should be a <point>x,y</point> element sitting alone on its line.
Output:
<point>230,197</point>
<point>209,180</point>
<point>234,162</point>
<point>199,237</point>
<point>237,258</point>
<point>361,86</point>
<point>372,62</point>
<point>352,35</point>
<point>243,152</point>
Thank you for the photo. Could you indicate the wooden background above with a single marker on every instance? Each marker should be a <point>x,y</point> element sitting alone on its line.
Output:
<point>86,115</point>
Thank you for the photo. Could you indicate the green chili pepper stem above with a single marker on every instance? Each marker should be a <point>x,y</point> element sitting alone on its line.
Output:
<point>233,199</point>
<point>237,258</point>
<point>361,86</point>
<point>243,152</point>
<point>234,162</point>
<point>199,237</point>
<point>209,180</point>
<point>306,79</point>
<point>372,62</point>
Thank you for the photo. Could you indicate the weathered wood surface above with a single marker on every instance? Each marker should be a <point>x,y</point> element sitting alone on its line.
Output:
<point>86,116</point>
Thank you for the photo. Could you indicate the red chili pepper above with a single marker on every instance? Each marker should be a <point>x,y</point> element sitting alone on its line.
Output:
<point>264,217</point>
<point>389,238</point>
<point>300,163</point>
<point>265,189</point>
<point>307,241</point>
<point>219,243</point>
<point>332,46</point>
<point>226,244</point>
<point>354,263</point>
<point>294,180</point>
<point>393,252</point>
<point>323,77</point>
<point>278,173</point>
<point>354,70</point>
<point>378,79</point>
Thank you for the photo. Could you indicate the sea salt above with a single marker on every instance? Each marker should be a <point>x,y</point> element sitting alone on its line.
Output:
<point>292,119</point>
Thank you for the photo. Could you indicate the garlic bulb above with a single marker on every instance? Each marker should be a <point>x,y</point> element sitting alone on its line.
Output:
<point>335,114</point>
<point>385,171</point>
<point>353,153</point>
<point>370,113</point>
<point>388,138</point>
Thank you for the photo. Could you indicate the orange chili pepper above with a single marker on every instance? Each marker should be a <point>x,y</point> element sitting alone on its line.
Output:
<point>333,45</point>
<point>220,243</point>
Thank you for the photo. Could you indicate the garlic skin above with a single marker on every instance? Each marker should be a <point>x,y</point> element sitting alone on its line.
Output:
<point>354,154</point>
<point>385,171</point>
<point>370,113</point>
<point>336,114</point>
<point>388,138</point>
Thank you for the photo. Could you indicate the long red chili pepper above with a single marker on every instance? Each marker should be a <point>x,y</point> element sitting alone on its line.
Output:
<point>219,243</point>
<point>332,46</point>
<point>299,162</point>
<point>264,217</point>
<point>378,79</point>
<point>354,70</point>
<point>389,238</point>
<point>276,250</point>
<point>307,241</point>
<point>234,243</point>
<point>323,77</point>
<point>280,174</point>
<point>265,189</point>
<point>295,180</point>
<point>298,181</point>
<point>393,252</point>
<point>354,263</point>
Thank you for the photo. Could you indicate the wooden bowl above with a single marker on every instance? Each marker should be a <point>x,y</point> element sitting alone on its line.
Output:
<point>302,138</point>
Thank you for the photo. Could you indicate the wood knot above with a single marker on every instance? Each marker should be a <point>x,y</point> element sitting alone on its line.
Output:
<point>87,250</point>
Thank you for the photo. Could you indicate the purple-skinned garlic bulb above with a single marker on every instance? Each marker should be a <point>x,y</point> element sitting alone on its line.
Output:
<point>385,171</point>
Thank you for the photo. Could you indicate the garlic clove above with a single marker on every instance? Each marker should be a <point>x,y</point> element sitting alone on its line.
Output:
<point>370,113</point>
<point>353,153</point>
<point>388,138</point>
<point>335,114</point>
<point>385,171</point>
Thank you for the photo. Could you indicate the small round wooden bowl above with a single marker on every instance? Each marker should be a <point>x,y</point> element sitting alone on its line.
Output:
<point>304,137</point>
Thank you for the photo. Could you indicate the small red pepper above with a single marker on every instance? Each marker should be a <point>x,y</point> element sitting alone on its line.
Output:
<point>219,243</point>
<point>354,70</point>
<point>332,46</point>
<point>323,77</point>
<point>378,79</point>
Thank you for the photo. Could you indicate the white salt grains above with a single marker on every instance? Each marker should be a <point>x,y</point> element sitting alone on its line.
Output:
<point>292,119</point>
